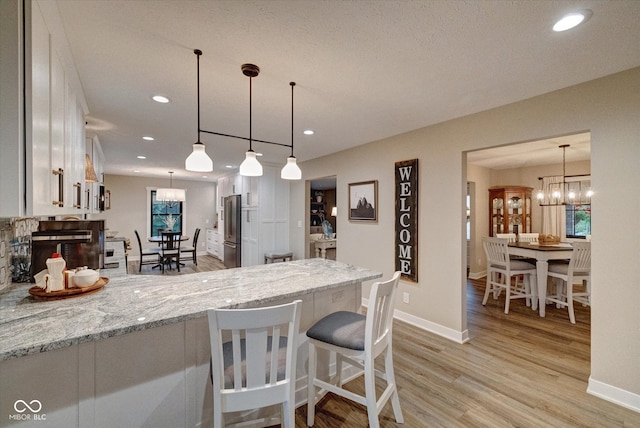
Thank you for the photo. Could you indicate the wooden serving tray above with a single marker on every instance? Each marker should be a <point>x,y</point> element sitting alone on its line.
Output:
<point>39,294</point>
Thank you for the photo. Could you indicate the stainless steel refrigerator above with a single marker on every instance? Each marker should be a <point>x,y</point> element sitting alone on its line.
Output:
<point>232,232</point>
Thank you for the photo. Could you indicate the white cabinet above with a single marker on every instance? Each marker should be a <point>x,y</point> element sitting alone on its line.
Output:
<point>265,212</point>
<point>214,243</point>
<point>43,159</point>
<point>249,191</point>
<point>115,260</point>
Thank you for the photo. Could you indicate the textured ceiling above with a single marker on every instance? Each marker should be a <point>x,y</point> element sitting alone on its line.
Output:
<point>365,70</point>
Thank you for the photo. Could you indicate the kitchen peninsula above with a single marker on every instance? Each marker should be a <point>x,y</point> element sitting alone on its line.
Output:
<point>137,352</point>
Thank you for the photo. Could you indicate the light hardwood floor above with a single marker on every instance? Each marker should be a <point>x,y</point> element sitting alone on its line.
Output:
<point>205,263</point>
<point>517,370</point>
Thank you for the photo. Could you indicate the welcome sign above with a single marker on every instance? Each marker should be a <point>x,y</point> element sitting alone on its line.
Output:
<point>407,219</point>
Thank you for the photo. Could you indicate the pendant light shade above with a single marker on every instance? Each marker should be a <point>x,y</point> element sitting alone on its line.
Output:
<point>291,171</point>
<point>170,194</point>
<point>198,160</point>
<point>250,167</point>
<point>89,172</point>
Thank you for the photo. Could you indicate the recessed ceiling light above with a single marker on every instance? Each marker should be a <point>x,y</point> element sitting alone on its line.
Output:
<point>160,99</point>
<point>136,171</point>
<point>141,157</point>
<point>259,154</point>
<point>229,166</point>
<point>308,132</point>
<point>572,20</point>
<point>205,176</point>
<point>146,137</point>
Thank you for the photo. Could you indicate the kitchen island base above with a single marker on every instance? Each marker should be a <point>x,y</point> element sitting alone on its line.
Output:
<point>155,377</point>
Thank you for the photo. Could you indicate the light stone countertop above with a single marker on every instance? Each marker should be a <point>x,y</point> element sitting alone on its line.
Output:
<point>137,302</point>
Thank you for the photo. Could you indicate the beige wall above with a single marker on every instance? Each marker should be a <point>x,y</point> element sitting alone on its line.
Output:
<point>129,206</point>
<point>607,107</point>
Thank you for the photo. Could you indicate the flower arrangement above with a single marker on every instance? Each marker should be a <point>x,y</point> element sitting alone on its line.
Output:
<point>170,221</point>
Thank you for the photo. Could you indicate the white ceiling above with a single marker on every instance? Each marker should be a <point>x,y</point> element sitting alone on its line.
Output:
<point>365,70</point>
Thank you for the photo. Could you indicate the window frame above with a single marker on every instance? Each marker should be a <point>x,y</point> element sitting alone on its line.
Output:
<point>183,215</point>
<point>571,210</point>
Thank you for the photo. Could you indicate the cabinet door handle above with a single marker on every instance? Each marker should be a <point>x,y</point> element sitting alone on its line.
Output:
<point>78,203</point>
<point>248,198</point>
<point>88,199</point>
<point>60,173</point>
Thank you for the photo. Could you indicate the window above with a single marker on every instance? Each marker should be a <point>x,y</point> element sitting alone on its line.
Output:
<point>578,218</point>
<point>163,215</point>
<point>578,215</point>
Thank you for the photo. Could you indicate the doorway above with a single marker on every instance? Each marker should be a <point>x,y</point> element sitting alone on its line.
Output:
<point>518,164</point>
<point>322,207</point>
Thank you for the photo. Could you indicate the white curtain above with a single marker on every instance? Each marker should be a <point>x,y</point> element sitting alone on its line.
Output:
<point>553,217</point>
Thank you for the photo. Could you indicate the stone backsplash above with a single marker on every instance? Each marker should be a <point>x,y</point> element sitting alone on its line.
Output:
<point>15,249</point>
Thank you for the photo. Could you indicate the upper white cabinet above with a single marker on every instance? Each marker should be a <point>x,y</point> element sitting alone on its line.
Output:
<point>46,160</point>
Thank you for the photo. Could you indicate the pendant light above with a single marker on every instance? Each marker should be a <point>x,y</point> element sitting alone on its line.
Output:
<point>564,190</point>
<point>89,171</point>
<point>250,167</point>
<point>170,195</point>
<point>198,160</point>
<point>291,171</point>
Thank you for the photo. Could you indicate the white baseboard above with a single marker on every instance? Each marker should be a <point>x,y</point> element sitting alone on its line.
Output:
<point>477,275</point>
<point>440,330</point>
<point>614,394</point>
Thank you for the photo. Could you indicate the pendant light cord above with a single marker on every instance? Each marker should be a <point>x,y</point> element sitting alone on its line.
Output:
<point>198,52</point>
<point>292,85</point>
<point>250,114</point>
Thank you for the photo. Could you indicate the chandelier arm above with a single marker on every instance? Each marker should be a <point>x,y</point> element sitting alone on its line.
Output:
<point>243,138</point>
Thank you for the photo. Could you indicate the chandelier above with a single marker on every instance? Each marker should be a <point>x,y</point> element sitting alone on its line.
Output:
<point>565,189</point>
<point>199,161</point>
<point>170,195</point>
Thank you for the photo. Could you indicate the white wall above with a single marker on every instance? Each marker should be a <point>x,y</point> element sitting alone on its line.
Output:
<point>129,207</point>
<point>608,108</point>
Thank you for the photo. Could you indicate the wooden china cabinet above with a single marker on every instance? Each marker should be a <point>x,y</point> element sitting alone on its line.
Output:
<point>509,210</point>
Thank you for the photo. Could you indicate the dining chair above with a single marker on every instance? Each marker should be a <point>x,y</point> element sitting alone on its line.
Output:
<point>565,276</point>
<point>500,271</point>
<point>170,250</point>
<point>528,237</point>
<point>257,366</point>
<point>510,236</point>
<point>147,252</point>
<point>185,250</point>
<point>357,340</point>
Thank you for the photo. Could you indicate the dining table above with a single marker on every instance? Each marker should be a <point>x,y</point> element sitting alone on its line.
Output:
<point>158,239</point>
<point>542,254</point>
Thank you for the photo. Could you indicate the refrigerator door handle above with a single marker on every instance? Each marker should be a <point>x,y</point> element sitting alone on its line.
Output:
<point>230,245</point>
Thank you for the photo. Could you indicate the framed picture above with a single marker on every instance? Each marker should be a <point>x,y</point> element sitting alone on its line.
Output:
<point>363,201</point>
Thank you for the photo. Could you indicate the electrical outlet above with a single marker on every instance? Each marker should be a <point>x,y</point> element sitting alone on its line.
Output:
<point>405,297</point>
